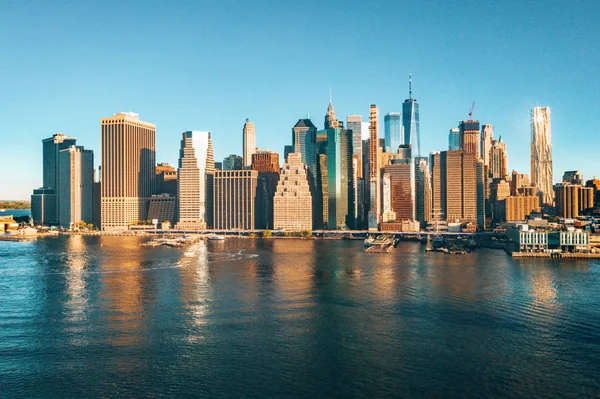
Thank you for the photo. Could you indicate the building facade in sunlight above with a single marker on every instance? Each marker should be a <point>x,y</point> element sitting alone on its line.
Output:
<point>128,169</point>
<point>195,179</point>
<point>293,201</point>
<point>541,154</point>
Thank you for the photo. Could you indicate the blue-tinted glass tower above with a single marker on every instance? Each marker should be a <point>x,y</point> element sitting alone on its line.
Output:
<point>410,121</point>
<point>454,139</point>
<point>393,128</point>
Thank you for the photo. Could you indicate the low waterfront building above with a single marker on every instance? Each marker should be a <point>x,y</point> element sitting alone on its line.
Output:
<point>234,199</point>
<point>292,203</point>
<point>524,238</point>
<point>410,226</point>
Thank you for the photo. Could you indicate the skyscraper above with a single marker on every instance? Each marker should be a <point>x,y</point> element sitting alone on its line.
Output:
<point>422,190</point>
<point>292,204</point>
<point>518,180</point>
<point>43,206</point>
<point>573,200</point>
<point>234,199</point>
<point>487,135</point>
<point>233,162</point>
<point>454,185</point>
<point>541,155</point>
<point>331,121</point>
<point>288,149</point>
<point>75,186</point>
<point>454,139</point>
<point>573,177</point>
<point>402,190</point>
<point>321,198</point>
<point>410,121</point>
<point>195,181</point>
<point>304,142</point>
<point>340,179</point>
<point>166,179</point>
<point>44,200</point>
<point>498,161</point>
<point>249,144</point>
<point>481,181</point>
<point>128,169</point>
<point>354,123</point>
<point>51,147</point>
<point>469,136</point>
<point>374,169</point>
<point>266,163</point>
<point>393,130</point>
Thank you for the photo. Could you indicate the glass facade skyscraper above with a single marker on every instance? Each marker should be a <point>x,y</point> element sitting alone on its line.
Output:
<point>354,123</point>
<point>304,141</point>
<point>454,139</point>
<point>393,129</point>
<point>410,121</point>
<point>340,179</point>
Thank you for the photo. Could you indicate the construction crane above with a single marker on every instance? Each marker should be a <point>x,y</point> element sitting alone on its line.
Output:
<point>471,111</point>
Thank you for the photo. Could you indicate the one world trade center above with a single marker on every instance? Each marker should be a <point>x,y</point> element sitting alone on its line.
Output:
<point>410,121</point>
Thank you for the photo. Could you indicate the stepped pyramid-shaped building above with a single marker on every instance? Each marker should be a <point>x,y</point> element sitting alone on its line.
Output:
<point>292,204</point>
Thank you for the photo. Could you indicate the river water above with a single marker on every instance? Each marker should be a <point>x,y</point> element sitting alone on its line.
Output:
<point>103,317</point>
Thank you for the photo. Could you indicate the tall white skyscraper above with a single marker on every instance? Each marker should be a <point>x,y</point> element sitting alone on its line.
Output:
<point>487,135</point>
<point>249,144</point>
<point>75,186</point>
<point>541,154</point>
<point>195,178</point>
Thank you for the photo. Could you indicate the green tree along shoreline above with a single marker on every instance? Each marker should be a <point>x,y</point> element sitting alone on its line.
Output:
<point>15,204</point>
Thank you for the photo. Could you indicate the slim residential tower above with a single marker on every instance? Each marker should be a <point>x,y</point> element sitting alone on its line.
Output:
<point>541,154</point>
<point>374,169</point>
<point>249,143</point>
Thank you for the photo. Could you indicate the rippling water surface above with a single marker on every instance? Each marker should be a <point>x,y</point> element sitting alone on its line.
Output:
<point>103,317</point>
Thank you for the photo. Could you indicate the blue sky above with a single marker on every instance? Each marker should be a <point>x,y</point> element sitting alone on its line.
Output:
<point>207,65</point>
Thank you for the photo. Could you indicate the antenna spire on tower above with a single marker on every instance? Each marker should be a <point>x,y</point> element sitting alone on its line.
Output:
<point>410,85</point>
<point>329,96</point>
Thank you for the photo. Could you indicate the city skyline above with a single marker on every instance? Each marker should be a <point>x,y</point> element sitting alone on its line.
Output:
<point>77,84</point>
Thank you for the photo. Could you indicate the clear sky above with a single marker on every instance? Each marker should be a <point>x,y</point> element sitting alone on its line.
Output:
<point>207,65</point>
